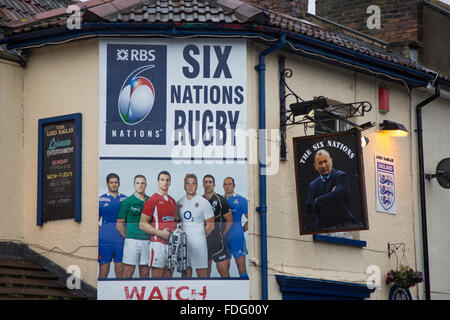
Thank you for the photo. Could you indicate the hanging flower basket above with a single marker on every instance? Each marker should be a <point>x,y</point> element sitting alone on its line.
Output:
<point>404,283</point>
<point>404,277</point>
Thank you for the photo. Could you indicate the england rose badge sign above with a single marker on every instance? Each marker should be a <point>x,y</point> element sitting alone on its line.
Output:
<point>385,180</point>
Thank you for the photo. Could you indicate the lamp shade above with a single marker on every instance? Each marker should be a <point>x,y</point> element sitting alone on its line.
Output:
<point>393,129</point>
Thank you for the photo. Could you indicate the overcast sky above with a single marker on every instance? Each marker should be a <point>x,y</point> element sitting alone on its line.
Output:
<point>312,6</point>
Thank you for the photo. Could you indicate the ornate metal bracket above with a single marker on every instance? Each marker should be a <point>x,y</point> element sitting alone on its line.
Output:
<point>335,112</point>
<point>393,247</point>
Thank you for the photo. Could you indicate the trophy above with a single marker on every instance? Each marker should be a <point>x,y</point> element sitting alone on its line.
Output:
<point>177,250</point>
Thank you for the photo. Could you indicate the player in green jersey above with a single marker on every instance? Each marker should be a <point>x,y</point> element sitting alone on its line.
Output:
<point>137,242</point>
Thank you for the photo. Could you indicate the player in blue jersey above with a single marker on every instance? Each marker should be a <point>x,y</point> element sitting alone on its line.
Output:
<point>235,239</point>
<point>110,241</point>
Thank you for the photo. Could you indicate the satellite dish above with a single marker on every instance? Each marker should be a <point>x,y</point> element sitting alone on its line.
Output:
<point>442,173</point>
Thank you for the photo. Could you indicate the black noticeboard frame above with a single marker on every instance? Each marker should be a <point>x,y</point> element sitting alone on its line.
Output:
<point>73,176</point>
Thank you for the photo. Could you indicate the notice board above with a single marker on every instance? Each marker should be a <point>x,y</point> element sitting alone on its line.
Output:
<point>59,168</point>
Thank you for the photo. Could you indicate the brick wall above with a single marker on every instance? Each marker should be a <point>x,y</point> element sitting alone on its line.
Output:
<point>399,18</point>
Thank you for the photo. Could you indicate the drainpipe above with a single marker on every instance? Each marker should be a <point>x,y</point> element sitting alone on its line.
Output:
<point>262,209</point>
<point>422,188</point>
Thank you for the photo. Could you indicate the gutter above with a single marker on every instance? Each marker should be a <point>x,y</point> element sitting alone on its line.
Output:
<point>262,209</point>
<point>315,48</point>
<point>12,58</point>
<point>422,189</point>
<point>412,76</point>
<point>436,7</point>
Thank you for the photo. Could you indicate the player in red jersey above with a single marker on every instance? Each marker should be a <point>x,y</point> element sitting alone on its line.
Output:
<point>158,219</point>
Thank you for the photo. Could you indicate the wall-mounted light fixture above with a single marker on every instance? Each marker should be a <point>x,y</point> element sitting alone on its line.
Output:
<point>304,110</point>
<point>393,129</point>
<point>305,107</point>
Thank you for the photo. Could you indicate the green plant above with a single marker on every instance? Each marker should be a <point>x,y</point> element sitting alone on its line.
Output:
<point>404,277</point>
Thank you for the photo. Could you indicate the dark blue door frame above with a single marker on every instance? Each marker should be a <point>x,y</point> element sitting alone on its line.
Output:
<point>298,288</point>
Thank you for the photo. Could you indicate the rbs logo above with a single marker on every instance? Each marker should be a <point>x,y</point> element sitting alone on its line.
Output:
<point>140,55</point>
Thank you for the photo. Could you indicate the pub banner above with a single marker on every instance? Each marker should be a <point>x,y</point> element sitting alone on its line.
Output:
<point>173,169</point>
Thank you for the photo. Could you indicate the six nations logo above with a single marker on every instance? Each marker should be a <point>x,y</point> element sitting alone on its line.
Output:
<point>137,95</point>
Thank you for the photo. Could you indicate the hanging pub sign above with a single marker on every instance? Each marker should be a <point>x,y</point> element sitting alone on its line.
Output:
<point>59,177</point>
<point>385,184</point>
<point>329,173</point>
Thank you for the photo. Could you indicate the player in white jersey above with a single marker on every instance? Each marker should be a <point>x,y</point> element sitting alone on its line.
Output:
<point>197,221</point>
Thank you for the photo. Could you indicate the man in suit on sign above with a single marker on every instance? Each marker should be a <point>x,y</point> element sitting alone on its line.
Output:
<point>328,195</point>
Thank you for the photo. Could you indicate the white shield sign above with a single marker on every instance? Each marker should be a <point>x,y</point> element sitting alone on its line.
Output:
<point>385,180</point>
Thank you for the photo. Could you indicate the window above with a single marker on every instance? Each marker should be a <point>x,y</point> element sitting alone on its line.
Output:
<point>326,122</point>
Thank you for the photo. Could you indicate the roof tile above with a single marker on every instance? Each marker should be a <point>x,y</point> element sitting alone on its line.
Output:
<point>172,11</point>
<point>186,11</point>
<point>247,12</point>
<point>50,14</point>
<point>90,3</point>
<point>125,4</point>
<point>16,10</point>
<point>230,4</point>
<point>104,9</point>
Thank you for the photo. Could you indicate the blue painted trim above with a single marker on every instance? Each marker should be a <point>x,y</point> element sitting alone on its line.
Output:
<point>170,158</point>
<point>299,288</point>
<point>78,161</point>
<point>111,29</point>
<point>78,127</point>
<point>342,57</point>
<point>40,171</point>
<point>341,61</point>
<point>330,239</point>
<point>371,59</point>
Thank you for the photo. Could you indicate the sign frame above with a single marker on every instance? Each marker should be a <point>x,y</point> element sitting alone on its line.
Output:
<point>77,119</point>
<point>356,181</point>
<point>173,289</point>
<point>385,184</point>
<point>201,136</point>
